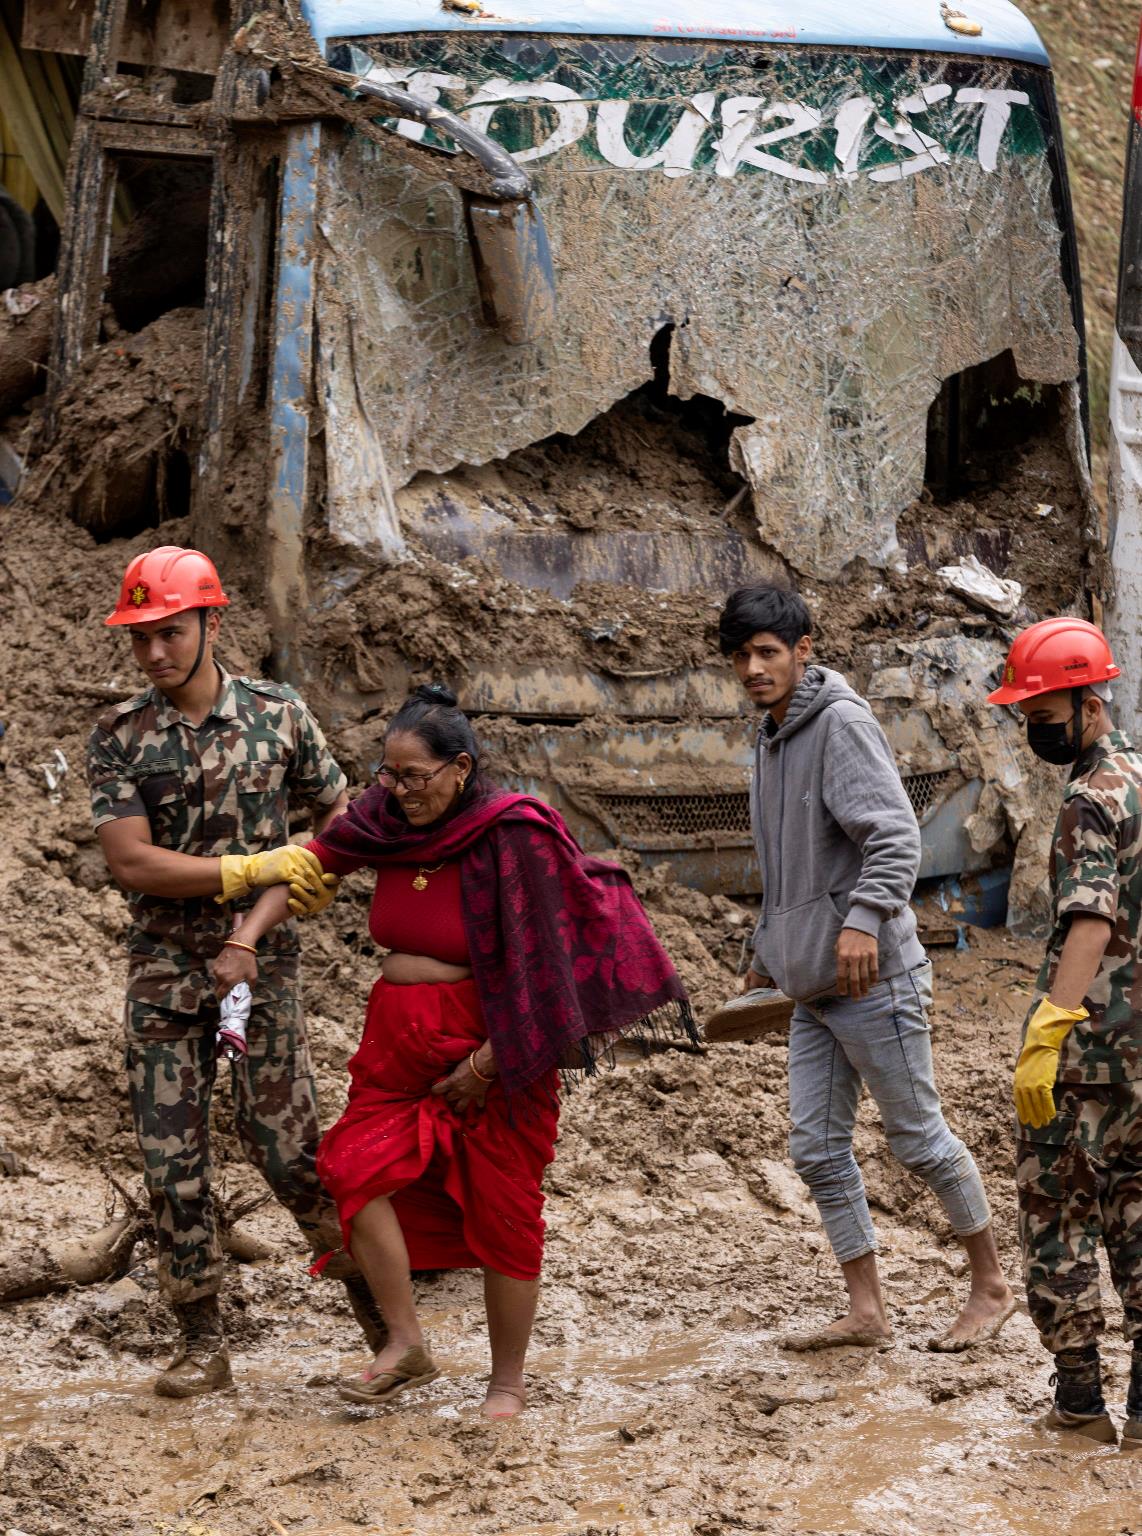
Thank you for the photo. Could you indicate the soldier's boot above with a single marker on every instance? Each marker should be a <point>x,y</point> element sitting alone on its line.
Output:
<point>1132,1429</point>
<point>1079,1404</point>
<point>201,1362</point>
<point>366,1311</point>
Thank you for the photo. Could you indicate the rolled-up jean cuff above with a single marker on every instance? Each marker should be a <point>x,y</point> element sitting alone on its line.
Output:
<point>851,1258</point>
<point>976,1230</point>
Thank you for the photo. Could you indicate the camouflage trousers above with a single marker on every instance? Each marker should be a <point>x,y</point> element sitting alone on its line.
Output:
<point>171,1066</point>
<point>1080,1187</point>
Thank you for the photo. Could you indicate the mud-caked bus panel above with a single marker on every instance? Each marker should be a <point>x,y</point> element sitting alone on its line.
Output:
<point>1124,617</point>
<point>803,295</point>
<point>816,315</point>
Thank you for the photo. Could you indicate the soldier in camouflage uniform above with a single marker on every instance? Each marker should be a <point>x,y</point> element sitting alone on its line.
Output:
<point>1078,1081</point>
<point>190,787</point>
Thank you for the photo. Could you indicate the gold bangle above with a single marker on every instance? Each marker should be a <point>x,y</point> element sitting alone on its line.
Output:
<point>237,944</point>
<point>476,1070</point>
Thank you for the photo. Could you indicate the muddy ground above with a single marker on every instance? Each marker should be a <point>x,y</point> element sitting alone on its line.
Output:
<point>680,1244</point>
<point>680,1241</point>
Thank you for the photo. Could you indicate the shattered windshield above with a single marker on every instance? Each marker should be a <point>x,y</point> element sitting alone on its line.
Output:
<point>827,238</point>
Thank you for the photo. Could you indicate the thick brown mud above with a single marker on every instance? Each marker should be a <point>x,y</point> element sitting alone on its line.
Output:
<point>680,1247</point>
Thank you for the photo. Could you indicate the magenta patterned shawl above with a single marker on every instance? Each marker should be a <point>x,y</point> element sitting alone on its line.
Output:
<point>563,956</point>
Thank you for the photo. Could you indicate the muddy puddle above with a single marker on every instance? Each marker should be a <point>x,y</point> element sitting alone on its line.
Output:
<point>665,1431</point>
<point>901,1465</point>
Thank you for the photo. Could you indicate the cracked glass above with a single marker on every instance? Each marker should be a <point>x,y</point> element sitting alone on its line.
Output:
<point>829,236</point>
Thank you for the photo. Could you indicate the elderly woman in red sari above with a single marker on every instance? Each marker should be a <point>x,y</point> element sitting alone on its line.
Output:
<point>511,955</point>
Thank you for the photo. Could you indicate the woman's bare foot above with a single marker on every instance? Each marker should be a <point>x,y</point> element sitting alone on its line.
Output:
<point>982,1316</point>
<point>504,1402</point>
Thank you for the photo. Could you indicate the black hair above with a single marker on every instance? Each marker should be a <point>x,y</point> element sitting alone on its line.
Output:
<point>432,715</point>
<point>763,608</point>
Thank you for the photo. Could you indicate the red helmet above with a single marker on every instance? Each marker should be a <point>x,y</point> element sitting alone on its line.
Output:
<point>166,581</point>
<point>1054,654</point>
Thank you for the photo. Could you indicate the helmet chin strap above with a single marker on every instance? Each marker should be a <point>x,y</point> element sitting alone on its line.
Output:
<point>1078,729</point>
<point>201,647</point>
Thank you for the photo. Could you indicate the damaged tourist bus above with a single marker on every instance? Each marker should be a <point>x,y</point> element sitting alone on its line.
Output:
<point>817,314</point>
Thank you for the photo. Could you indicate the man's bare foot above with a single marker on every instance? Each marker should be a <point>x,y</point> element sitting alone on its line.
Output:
<point>982,1316</point>
<point>504,1402</point>
<point>851,1331</point>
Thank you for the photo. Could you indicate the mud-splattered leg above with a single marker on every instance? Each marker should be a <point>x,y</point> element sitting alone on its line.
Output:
<point>511,1307</point>
<point>1060,1187</point>
<point>1122,1206</point>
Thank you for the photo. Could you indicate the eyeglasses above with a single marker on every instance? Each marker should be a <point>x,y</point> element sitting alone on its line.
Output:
<point>387,779</point>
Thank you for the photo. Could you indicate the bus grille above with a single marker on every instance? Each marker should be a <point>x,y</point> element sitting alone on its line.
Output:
<point>712,815</point>
<point>925,790</point>
<point>723,815</point>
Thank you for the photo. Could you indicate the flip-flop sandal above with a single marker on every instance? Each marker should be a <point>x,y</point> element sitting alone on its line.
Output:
<point>823,1338</point>
<point>520,1397</point>
<point>944,1344</point>
<point>414,1368</point>
<point>764,1011</point>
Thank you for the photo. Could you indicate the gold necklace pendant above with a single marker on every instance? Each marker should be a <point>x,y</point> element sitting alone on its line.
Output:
<point>420,879</point>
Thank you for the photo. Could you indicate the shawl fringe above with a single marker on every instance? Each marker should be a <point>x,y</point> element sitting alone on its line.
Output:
<point>672,1022</point>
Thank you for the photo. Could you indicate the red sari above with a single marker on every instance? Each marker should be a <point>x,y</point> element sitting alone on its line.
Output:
<point>465,1186</point>
<point>563,961</point>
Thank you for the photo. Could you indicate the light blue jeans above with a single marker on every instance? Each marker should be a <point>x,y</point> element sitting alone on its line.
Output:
<point>882,1040</point>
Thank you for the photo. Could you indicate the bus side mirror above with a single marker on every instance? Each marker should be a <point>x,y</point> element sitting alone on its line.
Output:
<point>513,266</point>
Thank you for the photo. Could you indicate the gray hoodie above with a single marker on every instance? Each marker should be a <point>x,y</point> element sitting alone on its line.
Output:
<point>836,836</point>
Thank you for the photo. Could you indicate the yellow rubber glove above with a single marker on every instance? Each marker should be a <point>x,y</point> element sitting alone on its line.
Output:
<point>242,872</point>
<point>1038,1063</point>
<point>304,902</point>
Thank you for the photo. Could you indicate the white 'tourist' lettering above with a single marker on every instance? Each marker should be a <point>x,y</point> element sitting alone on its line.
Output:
<point>676,156</point>
<point>743,140</point>
<point>925,150</point>
<point>740,143</point>
<point>996,114</point>
<point>573,114</point>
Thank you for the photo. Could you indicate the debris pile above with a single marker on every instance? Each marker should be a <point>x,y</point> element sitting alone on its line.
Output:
<point>124,462</point>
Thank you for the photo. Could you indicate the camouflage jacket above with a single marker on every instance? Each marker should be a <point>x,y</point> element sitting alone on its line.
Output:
<point>222,787</point>
<point>1096,871</point>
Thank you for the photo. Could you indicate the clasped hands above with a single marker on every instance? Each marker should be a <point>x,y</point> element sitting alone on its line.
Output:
<point>310,891</point>
<point>310,888</point>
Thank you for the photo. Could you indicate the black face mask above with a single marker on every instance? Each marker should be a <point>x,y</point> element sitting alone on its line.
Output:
<point>1051,741</point>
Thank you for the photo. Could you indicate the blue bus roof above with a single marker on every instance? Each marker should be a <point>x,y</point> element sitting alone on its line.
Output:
<point>912,25</point>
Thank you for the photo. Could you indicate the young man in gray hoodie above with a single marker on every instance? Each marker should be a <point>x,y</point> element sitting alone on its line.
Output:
<point>840,850</point>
